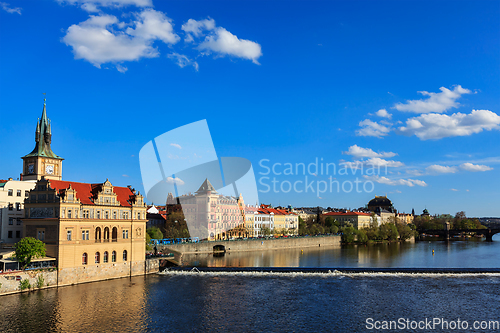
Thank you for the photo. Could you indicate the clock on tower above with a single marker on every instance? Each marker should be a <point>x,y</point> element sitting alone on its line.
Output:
<point>42,161</point>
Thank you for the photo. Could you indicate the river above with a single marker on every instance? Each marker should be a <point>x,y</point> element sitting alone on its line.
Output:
<point>180,301</point>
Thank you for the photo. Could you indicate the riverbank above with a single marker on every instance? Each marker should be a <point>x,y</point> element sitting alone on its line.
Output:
<point>25,281</point>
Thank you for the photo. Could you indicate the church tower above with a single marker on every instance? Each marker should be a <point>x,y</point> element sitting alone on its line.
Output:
<point>42,161</point>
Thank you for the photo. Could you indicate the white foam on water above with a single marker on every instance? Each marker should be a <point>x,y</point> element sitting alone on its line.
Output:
<point>332,273</point>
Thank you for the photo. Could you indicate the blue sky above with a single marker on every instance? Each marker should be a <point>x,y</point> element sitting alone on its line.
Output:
<point>413,85</point>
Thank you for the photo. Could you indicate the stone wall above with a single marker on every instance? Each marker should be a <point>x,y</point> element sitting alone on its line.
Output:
<point>76,275</point>
<point>11,282</point>
<point>253,245</point>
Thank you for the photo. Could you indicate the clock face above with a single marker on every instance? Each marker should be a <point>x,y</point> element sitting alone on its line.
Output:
<point>49,169</point>
<point>31,168</point>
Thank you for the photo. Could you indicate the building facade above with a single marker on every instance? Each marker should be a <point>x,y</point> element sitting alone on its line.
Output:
<point>94,231</point>
<point>12,195</point>
<point>357,219</point>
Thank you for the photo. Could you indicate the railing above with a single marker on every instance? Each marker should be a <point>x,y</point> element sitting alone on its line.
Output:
<point>97,240</point>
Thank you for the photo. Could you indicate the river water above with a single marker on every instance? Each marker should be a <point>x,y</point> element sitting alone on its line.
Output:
<point>180,301</point>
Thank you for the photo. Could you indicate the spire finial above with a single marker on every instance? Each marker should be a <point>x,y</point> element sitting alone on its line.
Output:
<point>44,99</point>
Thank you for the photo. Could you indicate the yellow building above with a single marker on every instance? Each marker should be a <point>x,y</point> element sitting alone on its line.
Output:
<point>95,231</point>
<point>357,219</point>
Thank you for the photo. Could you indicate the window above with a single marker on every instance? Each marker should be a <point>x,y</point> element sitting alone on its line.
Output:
<point>85,235</point>
<point>114,215</point>
<point>18,234</point>
<point>18,206</point>
<point>41,235</point>
<point>113,256</point>
<point>106,214</point>
<point>125,234</point>
<point>69,213</point>
<point>18,193</point>
<point>105,258</point>
<point>26,193</point>
<point>98,214</point>
<point>11,220</point>
<point>10,234</point>
<point>10,192</point>
<point>68,235</point>
<point>18,222</point>
<point>11,206</point>
<point>97,257</point>
<point>85,214</point>
<point>124,255</point>
<point>84,259</point>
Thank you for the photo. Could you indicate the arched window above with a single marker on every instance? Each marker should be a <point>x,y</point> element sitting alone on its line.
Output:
<point>114,234</point>
<point>106,234</point>
<point>98,234</point>
<point>105,257</point>
<point>97,257</point>
<point>84,259</point>
<point>124,255</point>
<point>113,256</point>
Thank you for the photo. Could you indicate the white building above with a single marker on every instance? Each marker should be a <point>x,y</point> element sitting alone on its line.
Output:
<point>12,194</point>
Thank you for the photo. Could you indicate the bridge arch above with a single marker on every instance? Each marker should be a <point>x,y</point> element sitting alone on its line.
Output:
<point>219,248</point>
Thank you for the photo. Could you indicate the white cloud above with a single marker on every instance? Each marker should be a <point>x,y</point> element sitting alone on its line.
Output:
<point>395,182</point>
<point>380,162</point>
<point>176,145</point>
<point>383,113</point>
<point>152,25</point>
<point>11,10</point>
<point>438,126</point>
<point>453,189</point>
<point>437,102</point>
<point>92,5</point>
<point>177,181</point>
<point>183,60</point>
<point>222,42</point>
<point>414,172</point>
<point>371,128</point>
<point>99,39</point>
<point>124,175</point>
<point>436,169</point>
<point>359,152</point>
<point>195,28</point>
<point>474,167</point>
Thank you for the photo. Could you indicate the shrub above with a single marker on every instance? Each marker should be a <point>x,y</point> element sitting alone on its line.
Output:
<point>24,284</point>
<point>40,281</point>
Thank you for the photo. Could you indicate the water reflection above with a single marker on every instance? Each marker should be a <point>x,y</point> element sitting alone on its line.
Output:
<point>467,253</point>
<point>78,308</point>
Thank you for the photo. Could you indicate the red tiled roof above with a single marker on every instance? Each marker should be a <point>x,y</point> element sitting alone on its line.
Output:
<point>346,214</point>
<point>87,192</point>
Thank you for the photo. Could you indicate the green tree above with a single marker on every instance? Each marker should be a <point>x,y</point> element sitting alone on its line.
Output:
<point>348,234</point>
<point>29,248</point>
<point>362,237</point>
<point>265,231</point>
<point>405,231</point>
<point>334,229</point>
<point>388,231</point>
<point>154,233</point>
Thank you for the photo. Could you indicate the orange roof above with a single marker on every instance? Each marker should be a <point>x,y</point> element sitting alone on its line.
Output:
<point>346,214</point>
<point>88,192</point>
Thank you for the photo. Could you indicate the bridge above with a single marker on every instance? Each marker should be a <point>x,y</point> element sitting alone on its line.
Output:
<point>446,233</point>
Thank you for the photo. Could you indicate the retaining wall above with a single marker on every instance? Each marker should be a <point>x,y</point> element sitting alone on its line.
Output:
<point>10,282</point>
<point>253,245</point>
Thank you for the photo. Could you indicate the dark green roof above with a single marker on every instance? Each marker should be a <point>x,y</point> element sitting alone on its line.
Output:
<point>43,138</point>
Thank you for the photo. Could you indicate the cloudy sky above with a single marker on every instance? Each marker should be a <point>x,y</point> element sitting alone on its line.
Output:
<point>412,87</point>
